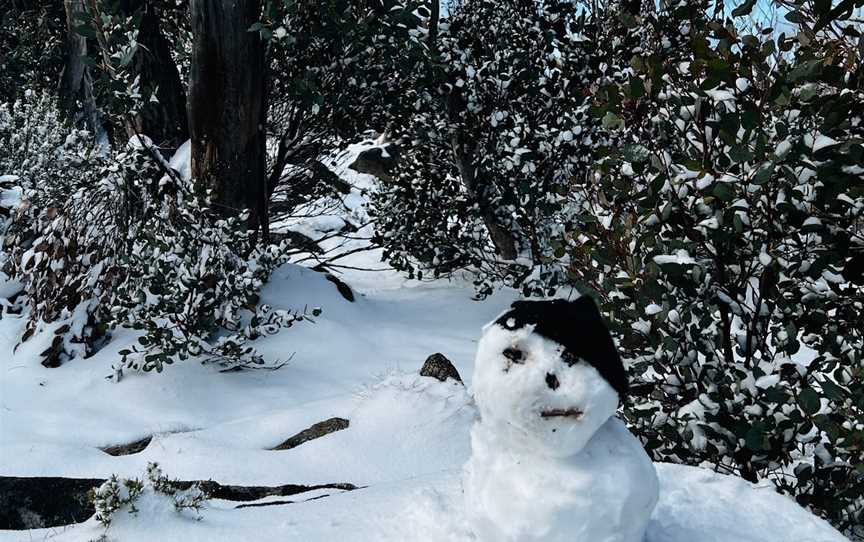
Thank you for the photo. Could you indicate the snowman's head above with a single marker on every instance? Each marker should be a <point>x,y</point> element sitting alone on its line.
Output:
<point>547,374</point>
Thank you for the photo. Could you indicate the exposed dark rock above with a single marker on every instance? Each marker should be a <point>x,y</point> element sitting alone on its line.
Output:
<point>316,431</point>
<point>276,503</point>
<point>34,503</point>
<point>215,490</point>
<point>439,367</point>
<point>378,161</point>
<point>128,449</point>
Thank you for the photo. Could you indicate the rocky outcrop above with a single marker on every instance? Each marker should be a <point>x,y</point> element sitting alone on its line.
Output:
<point>35,503</point>
<point>128,449</point>
<point>379,161</point>
<point>318,430</point>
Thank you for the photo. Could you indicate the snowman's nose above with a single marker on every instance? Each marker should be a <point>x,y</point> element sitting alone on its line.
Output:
<point>552,381</point>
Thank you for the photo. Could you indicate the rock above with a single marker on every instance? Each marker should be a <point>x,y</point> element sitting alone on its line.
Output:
<point>439,367</point>
<point>378,161</point>
<point>128,449</point>
<point>318,430</point>
<point>36,503</point>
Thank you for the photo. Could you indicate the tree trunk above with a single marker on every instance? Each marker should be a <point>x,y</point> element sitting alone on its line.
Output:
<point>502,238</point>
<point>228,106</point>
<point>165,121</point>
<point>72,78</point>
<point>75,84</point>
<point>434,21</point>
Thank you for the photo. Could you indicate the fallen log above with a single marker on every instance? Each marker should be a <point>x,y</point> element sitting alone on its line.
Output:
<point>35,503</point>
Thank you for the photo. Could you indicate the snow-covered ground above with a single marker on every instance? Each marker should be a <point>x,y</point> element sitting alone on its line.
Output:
<point>406,444</point>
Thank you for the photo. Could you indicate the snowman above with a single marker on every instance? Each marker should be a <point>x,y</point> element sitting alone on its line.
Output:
<point>550,461</point>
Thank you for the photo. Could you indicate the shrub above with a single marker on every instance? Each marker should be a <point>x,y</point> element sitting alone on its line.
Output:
<point>725,241</point>
<point>31,47</point>
<point>501,123</point>
<point>107,240</point>
<point>719,218</point>
<point>115,494</point>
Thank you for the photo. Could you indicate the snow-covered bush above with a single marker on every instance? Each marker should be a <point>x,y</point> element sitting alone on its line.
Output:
<point>117,240</point>
<point>502,124</point>
<point>189,273</point>
<point>37,145</point>
<point>725,241</point>
<point>116,495</point>
<point>711,195</point>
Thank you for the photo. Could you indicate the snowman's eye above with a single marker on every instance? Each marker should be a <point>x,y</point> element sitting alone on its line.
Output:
<point>514,354</point>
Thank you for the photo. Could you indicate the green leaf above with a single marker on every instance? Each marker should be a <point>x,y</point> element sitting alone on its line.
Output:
<point>809,401</point>
<point>841,11</point>
<point>723,192</point>
<point>635,153</point>
<point>744,9</point>
<point>611,121</point>
<point>737,223</point>
<point>740,153</point>
<point>755,437</point>
<point>832,390</point>
<point>749,117</point>
<point>763,174</point>
<point>796,17</point>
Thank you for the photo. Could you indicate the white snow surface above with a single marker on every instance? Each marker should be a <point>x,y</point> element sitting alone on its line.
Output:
<point>408,439</point>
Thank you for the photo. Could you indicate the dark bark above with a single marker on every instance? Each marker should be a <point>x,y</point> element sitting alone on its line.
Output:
<point>502,238</point>
<point>72,78</point>
<point>76,86</point>
<point>434,20</point>
<point>228,106</point>
<point>33,503</point>
<point>165,121</point>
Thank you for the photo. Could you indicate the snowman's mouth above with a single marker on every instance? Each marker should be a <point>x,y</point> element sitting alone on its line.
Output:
<point>562,413</point>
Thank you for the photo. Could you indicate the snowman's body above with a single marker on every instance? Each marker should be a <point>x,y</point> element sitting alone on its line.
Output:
<point>549,460</point>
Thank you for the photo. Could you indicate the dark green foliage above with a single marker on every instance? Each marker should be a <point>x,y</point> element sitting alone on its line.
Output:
<point>501,123</point>
<point>714,205</point>
<point>730,267</point>
<point>31,47</point>
<point>337,69</point>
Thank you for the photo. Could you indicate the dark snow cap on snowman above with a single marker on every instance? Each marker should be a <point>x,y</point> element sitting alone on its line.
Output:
<point>579,328</point>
